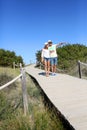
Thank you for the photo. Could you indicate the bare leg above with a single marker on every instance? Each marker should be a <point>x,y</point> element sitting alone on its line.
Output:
<point>54,69</point>
<point>48,67</point>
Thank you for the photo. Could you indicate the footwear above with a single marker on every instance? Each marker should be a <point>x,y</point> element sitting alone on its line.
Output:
<point>53,74</point>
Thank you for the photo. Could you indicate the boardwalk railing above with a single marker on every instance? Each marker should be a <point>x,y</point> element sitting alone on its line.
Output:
<point>10,82</point>
<point>24,89</point>
<point>79,68</point>
<point>16,65</point>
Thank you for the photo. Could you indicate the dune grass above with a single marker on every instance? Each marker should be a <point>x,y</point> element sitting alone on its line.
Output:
<point>11,106</point>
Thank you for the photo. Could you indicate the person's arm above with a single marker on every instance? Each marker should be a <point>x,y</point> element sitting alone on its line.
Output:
<point>59,44</point>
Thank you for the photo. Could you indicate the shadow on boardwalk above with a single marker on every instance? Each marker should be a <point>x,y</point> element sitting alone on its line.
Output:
<point>42,73</point>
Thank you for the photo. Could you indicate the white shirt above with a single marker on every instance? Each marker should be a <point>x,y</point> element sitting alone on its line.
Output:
<point>45,53</point>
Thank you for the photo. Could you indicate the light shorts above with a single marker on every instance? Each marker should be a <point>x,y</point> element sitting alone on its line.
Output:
<point>53,61</point>
<point>46,59</point>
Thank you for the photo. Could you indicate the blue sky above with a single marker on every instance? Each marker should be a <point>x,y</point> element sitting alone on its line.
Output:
<point>25,25</point>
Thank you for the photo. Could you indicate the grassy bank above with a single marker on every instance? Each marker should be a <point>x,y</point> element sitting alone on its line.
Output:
<point>11,106</point>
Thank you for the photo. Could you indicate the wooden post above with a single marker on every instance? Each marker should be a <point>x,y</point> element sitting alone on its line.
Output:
<point>24,92</point>
<point>20,66</point>
<point>79,68</point>
<point>14,65</point>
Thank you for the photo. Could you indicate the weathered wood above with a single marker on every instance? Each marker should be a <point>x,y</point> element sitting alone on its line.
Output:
<point>24,92</point>
<point>79,69</point>
<point>13,65</point>
<point>10,82</point>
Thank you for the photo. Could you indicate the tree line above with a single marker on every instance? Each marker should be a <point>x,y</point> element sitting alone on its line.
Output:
<point>68,55</point>
<point>8,57</point>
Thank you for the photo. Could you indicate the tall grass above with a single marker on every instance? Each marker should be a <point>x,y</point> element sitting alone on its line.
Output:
<point>11,107</point>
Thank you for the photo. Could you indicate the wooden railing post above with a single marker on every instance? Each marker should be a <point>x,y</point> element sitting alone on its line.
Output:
<point>24,91</point>
<point>79,68</point>
<point>13,65</point>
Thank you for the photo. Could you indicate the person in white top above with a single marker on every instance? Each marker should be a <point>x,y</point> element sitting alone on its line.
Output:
<point>53,55</point>
<point>45,57</point>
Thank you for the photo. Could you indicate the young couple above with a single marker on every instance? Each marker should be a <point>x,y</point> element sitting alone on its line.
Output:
<point>49,56</point>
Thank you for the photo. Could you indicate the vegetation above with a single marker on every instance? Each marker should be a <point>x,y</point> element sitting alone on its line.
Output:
<point>68,56</point>
<point>7,58</point>
<point>11,106</point>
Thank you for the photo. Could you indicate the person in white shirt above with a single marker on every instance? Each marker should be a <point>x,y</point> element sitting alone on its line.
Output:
<point>53,55</point>
<point>45,57</point>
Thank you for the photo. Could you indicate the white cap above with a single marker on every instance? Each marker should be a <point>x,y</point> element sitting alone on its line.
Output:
<point>49,41</point>
<point>46,43</point>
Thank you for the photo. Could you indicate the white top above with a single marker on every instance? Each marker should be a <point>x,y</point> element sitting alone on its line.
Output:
<point>52,50</point>
<point>45,53</point>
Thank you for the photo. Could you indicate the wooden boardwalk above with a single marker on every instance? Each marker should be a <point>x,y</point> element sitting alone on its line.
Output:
<point>67,93</point>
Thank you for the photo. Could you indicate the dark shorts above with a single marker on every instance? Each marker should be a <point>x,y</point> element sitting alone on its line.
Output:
<point>46,59</point>
<point>53,61</point>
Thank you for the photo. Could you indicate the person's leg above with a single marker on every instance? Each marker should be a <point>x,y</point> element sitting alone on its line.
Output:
<point>51,63</point>
<point>55,64</point>
<point>54,69</point>
<point>45,65</point>
<point>52,66</point>
<point>48,66</point>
